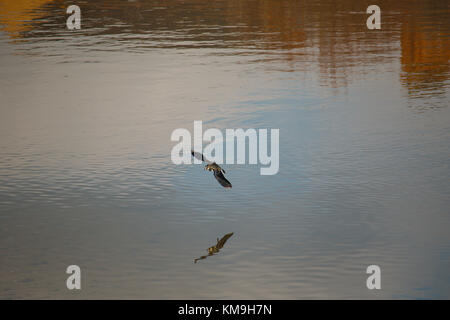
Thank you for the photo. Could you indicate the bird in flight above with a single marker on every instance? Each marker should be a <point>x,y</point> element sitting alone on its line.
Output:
<point>216,248</point>
<point>212,166</point>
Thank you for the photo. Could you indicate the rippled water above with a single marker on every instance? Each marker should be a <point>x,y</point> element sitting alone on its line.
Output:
<point>85,170</point>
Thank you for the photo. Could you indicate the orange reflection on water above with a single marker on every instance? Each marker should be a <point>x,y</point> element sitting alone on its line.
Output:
<point>329,36</point>
<point>425,57</point>
<point>16,16</point>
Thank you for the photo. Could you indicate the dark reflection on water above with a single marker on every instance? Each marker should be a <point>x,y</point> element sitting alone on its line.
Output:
<point>85,171</point>
<point>215,248</point>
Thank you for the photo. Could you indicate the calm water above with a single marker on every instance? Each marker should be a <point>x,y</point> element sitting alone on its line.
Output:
<point>85,170</point>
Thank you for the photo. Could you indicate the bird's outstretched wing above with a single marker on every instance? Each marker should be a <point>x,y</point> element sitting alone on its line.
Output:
<point>222,180</point>
<point>199,156</point>
<point>224,239</point>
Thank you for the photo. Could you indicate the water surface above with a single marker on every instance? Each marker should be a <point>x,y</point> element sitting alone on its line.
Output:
<point>85,171</point>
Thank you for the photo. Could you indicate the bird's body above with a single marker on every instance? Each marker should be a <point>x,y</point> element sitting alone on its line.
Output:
<point>214,167</point>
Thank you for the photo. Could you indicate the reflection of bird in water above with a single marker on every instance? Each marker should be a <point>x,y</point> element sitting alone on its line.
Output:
<point>212,166</point>
<point>216,248</point>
